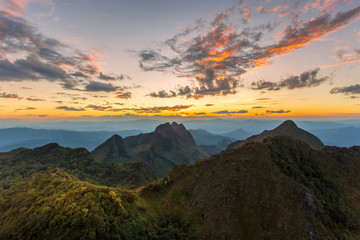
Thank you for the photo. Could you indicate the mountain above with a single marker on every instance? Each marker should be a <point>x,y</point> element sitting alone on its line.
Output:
<point>238,134</point>
<point>56,205</point>
<point>341,137</point>
<point>287,128</point>
<point>203,137</point>
<point>20,164</point>
<point>281,189</point>
<point>210,143</point>
<point>12,138</point>
<point>169,145</point>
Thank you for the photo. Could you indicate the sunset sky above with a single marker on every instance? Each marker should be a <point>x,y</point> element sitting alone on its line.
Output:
<point>229,59</point>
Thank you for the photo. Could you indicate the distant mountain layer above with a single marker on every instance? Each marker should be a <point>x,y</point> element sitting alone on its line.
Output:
<point>21,164</point>
<point>238,134</point>
<point>12,138</point>
<point>203,137</point>
<point>210,143</point>
<point>341,137</point>
<point>287,128</point>
<point>168,146</point>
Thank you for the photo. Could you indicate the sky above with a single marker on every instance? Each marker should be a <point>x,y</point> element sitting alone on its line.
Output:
<point>130,59</point>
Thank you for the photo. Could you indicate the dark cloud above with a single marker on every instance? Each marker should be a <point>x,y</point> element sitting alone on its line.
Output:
<point>209,105</point>
<point>175,108</point>
<point>103,108</point>
<point>30,68</point>
<point>353,89</point>
<point>215,57</point>
<point>277,111</point>
<point>99,86</point>
<point>305,79</point>
<point>72,109</point>
<point>25,109</point>
<point>231,112</point>
<point>45,58</point>
<point>79,98</point>
<point>112,77</point>
<point>9,95</point>
<point>35,99</point>
<point>79,74</point>
<point>163,94</point>
<point>255,107</point>
<point>43,115</point>
<point>123,95</point>
<point>263,99</point>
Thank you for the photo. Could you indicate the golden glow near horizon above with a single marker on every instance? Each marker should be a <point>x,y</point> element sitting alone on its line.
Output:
<point>248,60</point>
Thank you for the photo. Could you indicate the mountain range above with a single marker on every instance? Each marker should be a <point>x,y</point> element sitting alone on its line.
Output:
<point>281,184</point>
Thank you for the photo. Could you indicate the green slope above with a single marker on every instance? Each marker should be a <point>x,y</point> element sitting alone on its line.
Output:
<point>279,190</point>
<point>56,205</point>
<point>21,164</point>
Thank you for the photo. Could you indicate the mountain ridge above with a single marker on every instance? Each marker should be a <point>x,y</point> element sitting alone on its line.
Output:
<point>287,128</point>
<point>168,145</point>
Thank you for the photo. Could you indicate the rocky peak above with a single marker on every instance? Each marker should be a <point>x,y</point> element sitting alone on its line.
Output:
<point>163,128</point>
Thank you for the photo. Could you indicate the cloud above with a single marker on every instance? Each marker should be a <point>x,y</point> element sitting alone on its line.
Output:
<point>163,94</point>
<point>256,107</point>
<point>215,56</point>
<point>35,99</point>
<point>15,7</point>
<point>100,87</point>
<point>30,68</point>
<point>79,74</point>
<point>123,95</point>
<point>209,105</point>
<point>231,112</point>
<point>66,108</point>
<point>305,79</point>
<point>352,89</point>
<point>42,115</point>
<point>27,54</point>
<point>277,111</point>
<point>112,77</point>
<point>175,108</point>
<point>9,95</point>
<point>102,108</point>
